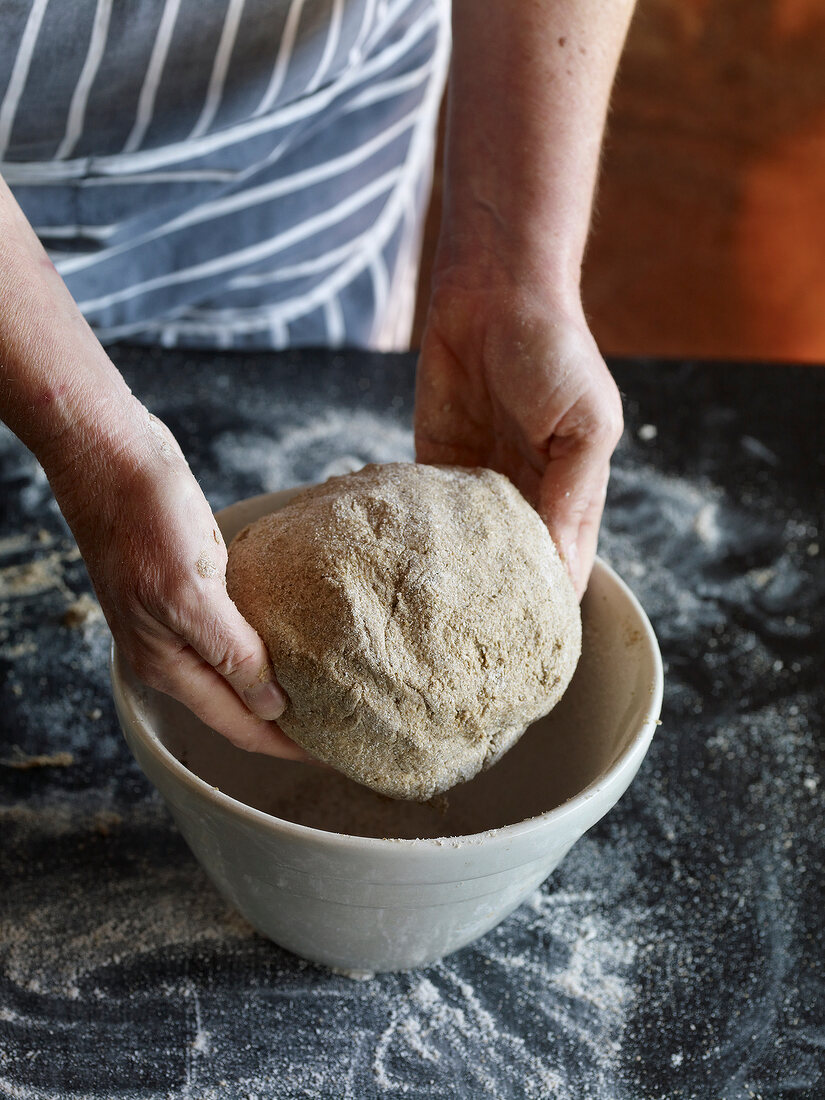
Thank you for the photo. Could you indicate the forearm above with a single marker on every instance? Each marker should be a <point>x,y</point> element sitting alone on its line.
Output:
<point>143,525</point>
<point>528,95</point>
<point>59,391</point>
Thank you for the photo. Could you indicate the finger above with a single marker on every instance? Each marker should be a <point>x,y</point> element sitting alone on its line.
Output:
<point>571,501</point>
<point>192,681</point>
<point>167,664</point>
<point>227,642</point>
<point>586,544</point>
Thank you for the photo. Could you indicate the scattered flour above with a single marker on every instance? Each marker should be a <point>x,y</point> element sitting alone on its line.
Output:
<point>33,577</point>
<point>315,447</point>
<point>23,762</point>
<point>489,1020</point>
<point>121,928</point>
<point>82,612</point>
<point>59,945</point>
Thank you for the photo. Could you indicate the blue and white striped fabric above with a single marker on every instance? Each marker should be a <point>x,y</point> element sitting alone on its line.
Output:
<point>227,173</point>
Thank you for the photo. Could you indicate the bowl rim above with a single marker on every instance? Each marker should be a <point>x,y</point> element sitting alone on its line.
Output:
<point>628,760</point>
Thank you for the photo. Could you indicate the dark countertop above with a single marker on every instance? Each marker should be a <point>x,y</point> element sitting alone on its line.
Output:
<point>677,951</point>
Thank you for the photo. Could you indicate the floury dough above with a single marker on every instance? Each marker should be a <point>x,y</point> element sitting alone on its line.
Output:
<point>418,617</point>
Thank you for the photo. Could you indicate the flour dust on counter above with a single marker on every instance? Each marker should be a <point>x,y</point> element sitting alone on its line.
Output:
<point>535,1009</point>
<point>315,445</point>
<point>721,545</point>
<point>54,641</point>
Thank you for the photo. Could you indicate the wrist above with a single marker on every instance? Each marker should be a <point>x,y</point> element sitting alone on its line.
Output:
<point>485,253</point>
<point>103,453</point>
<point>78,428</point>
<point>487,286</point>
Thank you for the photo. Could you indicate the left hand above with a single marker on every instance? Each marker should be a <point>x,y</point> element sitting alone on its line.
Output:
<point>514,382</point>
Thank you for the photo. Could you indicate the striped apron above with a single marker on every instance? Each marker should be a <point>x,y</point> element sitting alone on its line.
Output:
<point>227,173</point>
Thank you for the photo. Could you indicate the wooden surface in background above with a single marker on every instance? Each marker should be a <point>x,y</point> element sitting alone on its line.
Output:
<point>709,236</point>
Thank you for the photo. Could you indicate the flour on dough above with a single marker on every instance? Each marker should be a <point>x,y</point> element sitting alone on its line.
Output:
<point>418,617</point>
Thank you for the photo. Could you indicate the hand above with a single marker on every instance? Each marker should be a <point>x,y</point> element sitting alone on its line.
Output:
<point>144,528</point>
<point>158,564</point>
<point>512,381</point>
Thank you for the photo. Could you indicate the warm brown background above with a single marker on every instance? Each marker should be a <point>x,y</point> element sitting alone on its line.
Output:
<point>709,238</point>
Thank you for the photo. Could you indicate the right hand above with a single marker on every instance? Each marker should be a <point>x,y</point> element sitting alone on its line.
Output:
<point>510,379</point>
<point>157,561</point>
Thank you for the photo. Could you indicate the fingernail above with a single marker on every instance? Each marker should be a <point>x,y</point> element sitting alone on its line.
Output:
<point>266,700</point>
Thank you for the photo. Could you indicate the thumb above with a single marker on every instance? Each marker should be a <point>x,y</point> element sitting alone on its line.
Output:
<point>571,501</point>
<point>226,641</point>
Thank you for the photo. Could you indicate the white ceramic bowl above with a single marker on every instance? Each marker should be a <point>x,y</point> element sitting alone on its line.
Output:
<point>345,877</point>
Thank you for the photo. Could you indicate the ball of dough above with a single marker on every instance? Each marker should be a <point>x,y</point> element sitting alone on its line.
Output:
<point>418,617</point>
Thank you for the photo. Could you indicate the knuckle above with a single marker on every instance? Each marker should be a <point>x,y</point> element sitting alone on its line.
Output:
<point>579,508</point>
<point>611,422</point>
<point>231,664</point>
